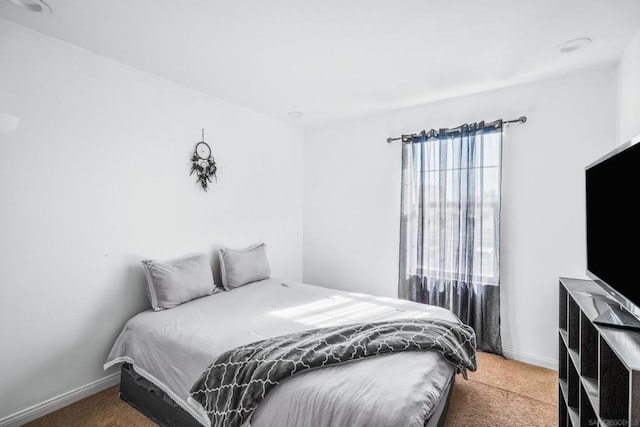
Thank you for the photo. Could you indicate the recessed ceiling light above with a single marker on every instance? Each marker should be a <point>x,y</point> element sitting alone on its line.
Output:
<point>295,114</point>
<point>573,45</point>
<point>32,5</point>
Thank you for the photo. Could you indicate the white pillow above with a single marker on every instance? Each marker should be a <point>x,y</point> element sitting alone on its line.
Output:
<point>171,283</point>
<point>242,266</point>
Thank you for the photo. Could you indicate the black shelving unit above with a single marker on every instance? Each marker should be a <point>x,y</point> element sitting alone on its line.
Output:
<point>598,366</point>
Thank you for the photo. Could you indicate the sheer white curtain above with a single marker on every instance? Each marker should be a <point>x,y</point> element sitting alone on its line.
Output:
<point>450,226</point>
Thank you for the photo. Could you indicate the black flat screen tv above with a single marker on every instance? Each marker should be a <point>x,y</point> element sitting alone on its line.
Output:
<point>613,232</point>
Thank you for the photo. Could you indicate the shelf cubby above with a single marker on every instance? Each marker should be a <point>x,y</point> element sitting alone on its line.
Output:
<point>614,403</point>
<point>562,360</point>
<point>562,414</point>
<point>588,348</point>
<point>562,308</point>
<point>573,387</point>
<point>588,415</point>
<point>573,322</point>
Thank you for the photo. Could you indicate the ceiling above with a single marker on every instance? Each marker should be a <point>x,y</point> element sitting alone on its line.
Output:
<point>336,59</point>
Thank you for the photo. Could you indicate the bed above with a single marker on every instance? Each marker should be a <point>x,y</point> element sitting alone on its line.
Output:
<point>163,353</point>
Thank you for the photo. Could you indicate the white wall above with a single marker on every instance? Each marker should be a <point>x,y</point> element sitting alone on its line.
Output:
<point>352,196</point>
<point>96,177</point>
<point>629,92</point>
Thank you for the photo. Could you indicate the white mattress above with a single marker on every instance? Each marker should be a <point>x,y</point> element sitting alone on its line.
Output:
<point>171,348</point>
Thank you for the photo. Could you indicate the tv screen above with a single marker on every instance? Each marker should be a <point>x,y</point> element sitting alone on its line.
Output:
<point>613,221</point>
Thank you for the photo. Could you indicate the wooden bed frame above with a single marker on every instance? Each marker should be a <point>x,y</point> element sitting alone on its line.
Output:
<point>147,398</point>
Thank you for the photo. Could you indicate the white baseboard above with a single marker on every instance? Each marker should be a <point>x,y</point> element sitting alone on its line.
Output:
<point>531,359</point>
<point>65,399</point>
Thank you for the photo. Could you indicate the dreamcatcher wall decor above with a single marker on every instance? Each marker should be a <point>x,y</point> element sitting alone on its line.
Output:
<point>203,164</point>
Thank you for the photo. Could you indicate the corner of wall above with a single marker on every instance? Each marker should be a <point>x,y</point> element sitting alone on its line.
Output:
<point>628,86</point>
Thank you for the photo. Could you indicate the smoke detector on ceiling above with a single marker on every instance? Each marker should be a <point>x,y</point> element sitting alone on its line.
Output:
<point>32,5</point>
<point>295,114</point>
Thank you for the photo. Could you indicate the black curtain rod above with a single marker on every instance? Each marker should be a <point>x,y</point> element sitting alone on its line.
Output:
<point>432,132</point>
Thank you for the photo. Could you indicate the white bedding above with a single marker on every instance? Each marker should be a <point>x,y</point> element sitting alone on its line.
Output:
<point>171,348</point>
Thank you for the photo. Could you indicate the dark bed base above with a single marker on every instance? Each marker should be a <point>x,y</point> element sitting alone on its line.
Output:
<point>439,415</point>
<point>147,398</point>
<point>143,395</point>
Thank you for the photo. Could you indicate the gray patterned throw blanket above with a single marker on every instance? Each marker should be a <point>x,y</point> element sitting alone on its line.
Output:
<point>231,388</point>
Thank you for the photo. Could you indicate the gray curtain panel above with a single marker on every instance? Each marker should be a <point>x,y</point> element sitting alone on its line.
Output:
<point>450,226</point>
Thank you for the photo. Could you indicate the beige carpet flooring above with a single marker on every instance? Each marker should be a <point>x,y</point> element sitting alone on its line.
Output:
<point>505,393</point>
<point>500,393</point>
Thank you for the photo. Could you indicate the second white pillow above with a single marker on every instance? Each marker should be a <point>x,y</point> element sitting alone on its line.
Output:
<point>241,266</point>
